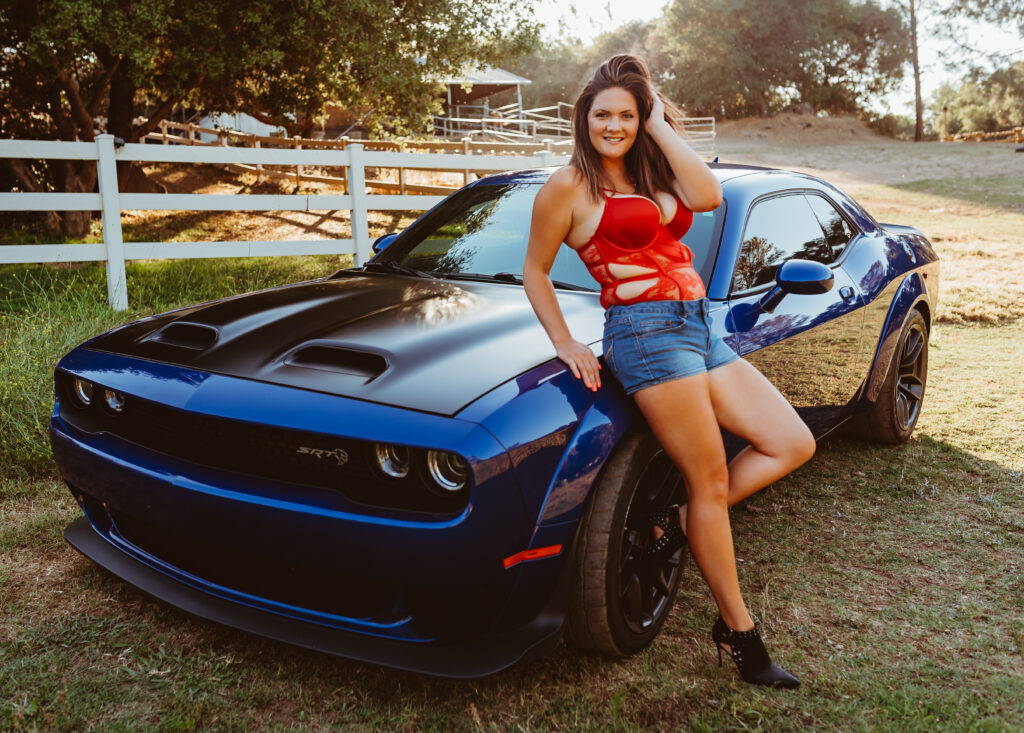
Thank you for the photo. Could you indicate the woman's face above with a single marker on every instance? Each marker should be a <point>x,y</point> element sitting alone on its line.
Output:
<point>613,122</point>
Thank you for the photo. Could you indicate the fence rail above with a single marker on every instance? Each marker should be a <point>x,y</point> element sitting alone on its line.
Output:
<point>1013,135</point>
<point>354,158</point>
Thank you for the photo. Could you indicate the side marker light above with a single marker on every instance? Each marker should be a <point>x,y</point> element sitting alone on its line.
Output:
<point>535,554</point>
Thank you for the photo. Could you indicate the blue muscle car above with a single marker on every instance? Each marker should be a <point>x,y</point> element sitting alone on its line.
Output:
<point>389,463</point>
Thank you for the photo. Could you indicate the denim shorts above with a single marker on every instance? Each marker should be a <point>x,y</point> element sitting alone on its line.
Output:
<point>657,341</point>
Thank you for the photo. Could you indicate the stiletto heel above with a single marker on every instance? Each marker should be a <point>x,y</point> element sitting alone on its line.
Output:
<point>751,658</point>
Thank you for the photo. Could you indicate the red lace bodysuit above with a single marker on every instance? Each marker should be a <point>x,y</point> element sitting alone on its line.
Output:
<point>630,233</point>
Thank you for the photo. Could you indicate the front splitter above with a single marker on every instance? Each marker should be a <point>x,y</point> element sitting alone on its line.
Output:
<point>474,658</point>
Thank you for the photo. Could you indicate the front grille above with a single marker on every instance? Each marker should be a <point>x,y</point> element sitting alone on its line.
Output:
<point>271,574</point>
<point>333,465</point>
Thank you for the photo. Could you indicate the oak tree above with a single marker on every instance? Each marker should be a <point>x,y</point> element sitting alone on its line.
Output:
<point>64,63</point>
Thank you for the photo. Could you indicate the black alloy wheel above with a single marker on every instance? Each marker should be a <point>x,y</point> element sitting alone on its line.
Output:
<point>910,377</point>
<point>618,604</point>
<point>894,414</point>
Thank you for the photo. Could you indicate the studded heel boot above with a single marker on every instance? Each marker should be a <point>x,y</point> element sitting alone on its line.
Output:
<point>752,660</point>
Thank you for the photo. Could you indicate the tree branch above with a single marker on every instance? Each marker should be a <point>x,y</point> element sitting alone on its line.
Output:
<point>163,110</point>
<point>78,109</point>
<point>101,85</point>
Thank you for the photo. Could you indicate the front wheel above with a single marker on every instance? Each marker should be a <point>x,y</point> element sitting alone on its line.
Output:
<point>617,606</point>
<point>894,415</point>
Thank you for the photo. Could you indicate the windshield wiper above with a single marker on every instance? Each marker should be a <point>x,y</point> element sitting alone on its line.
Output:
<point>509,277</point>
<point>389,266</point>
<point>504,277</point>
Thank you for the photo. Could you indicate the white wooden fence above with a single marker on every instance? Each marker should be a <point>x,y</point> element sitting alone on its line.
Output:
<point>114,251</point>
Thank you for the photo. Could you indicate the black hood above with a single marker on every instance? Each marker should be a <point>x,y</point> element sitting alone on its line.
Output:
<point>425,344</point>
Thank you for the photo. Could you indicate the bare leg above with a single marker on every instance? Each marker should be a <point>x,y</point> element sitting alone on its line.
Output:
<point>685,415</point>
<point>748,406</point>
<point>681,416</point>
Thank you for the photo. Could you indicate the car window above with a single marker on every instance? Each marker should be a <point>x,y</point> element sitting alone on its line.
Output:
<point>484,230</point>
<point>777,230</point>
<point>838,231</point>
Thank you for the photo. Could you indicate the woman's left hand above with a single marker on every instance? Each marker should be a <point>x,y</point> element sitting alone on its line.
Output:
<point>657,111</point>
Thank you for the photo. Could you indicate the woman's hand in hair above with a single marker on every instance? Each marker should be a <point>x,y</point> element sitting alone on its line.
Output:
<point>657,111</point>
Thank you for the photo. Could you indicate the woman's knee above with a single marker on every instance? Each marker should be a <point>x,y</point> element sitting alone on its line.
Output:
<point>803,446</point>
<point>711,487</point>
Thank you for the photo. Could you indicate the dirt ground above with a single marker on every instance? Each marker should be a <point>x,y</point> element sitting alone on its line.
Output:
<point>845,151</point>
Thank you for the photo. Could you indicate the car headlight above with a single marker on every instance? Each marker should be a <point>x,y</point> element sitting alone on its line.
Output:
<point>392,460</point>
<point>448,470</point>
<point>82,391</point>
<point>114,400</point>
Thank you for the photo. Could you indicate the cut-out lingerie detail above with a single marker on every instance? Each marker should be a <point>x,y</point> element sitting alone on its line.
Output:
<point>636,258</point>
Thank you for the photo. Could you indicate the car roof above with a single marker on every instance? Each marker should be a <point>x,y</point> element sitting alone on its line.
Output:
<point>723,171</point>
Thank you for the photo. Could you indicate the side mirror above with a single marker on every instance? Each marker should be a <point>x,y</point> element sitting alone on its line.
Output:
<point>382,242</point>
<point>797,277</point>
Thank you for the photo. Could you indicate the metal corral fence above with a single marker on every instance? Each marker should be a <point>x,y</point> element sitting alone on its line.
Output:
<point>354,158</point>
<point>177,133</point>
<point>699,132</point>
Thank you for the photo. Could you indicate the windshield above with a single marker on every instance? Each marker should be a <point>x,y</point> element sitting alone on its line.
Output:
<point>483,230</point>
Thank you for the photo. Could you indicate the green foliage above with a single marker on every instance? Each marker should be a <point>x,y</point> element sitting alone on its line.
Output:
<point>734,58</point>
<point>984,102</point>
<point>64,63</point>
<point>271,57</point>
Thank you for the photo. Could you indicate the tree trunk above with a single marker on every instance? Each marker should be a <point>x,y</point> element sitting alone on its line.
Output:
<point>120,115</point>
<point>918,103</point>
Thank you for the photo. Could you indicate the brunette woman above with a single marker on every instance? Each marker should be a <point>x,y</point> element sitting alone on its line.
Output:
<point>623,202</point>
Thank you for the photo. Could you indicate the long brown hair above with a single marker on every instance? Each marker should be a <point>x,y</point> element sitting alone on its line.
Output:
<point>646,165</point>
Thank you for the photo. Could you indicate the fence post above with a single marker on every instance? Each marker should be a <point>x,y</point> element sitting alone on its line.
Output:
<point>360,224</point>
<point>222,138</point>
<point>465,151</point>
<point>259,168</point>
<point>163,130</point>
<point>117,283</point>
<point>298,169</point>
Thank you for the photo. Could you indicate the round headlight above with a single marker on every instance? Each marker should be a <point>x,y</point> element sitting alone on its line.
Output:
<point>114,400</point>
<point>447,469</point>
<point>83,391</point>
<point>392,459</point>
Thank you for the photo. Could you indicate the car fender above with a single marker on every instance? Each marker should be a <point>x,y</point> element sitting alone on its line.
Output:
<point>911,291</point>
<point>542,587</point>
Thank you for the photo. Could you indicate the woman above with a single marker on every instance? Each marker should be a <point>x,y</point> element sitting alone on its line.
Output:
<point>622,203</point>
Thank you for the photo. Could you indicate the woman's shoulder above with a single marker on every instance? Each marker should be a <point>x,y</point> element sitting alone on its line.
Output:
<point>567,178</point>
<point>564,185</point>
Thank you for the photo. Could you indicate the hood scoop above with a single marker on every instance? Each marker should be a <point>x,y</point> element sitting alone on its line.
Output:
<point>337,358</point>
<point>179,340</point>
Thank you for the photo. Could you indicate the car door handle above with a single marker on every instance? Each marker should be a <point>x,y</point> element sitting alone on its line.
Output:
<point>846,293</point>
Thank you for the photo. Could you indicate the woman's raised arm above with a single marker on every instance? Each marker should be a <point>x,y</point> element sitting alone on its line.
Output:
<point>549,226</point>
<point>696,185</point>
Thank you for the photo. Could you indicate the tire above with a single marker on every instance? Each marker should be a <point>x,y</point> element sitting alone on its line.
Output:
<point>615,608</point>
<point>894,415</point>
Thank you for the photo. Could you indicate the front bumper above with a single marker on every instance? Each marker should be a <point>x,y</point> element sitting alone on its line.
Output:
<point>420,592</point>
<point>474,658</point>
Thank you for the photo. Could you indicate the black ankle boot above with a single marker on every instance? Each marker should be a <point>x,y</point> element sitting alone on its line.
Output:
<point>661,549</point>
<point>751,657</point>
